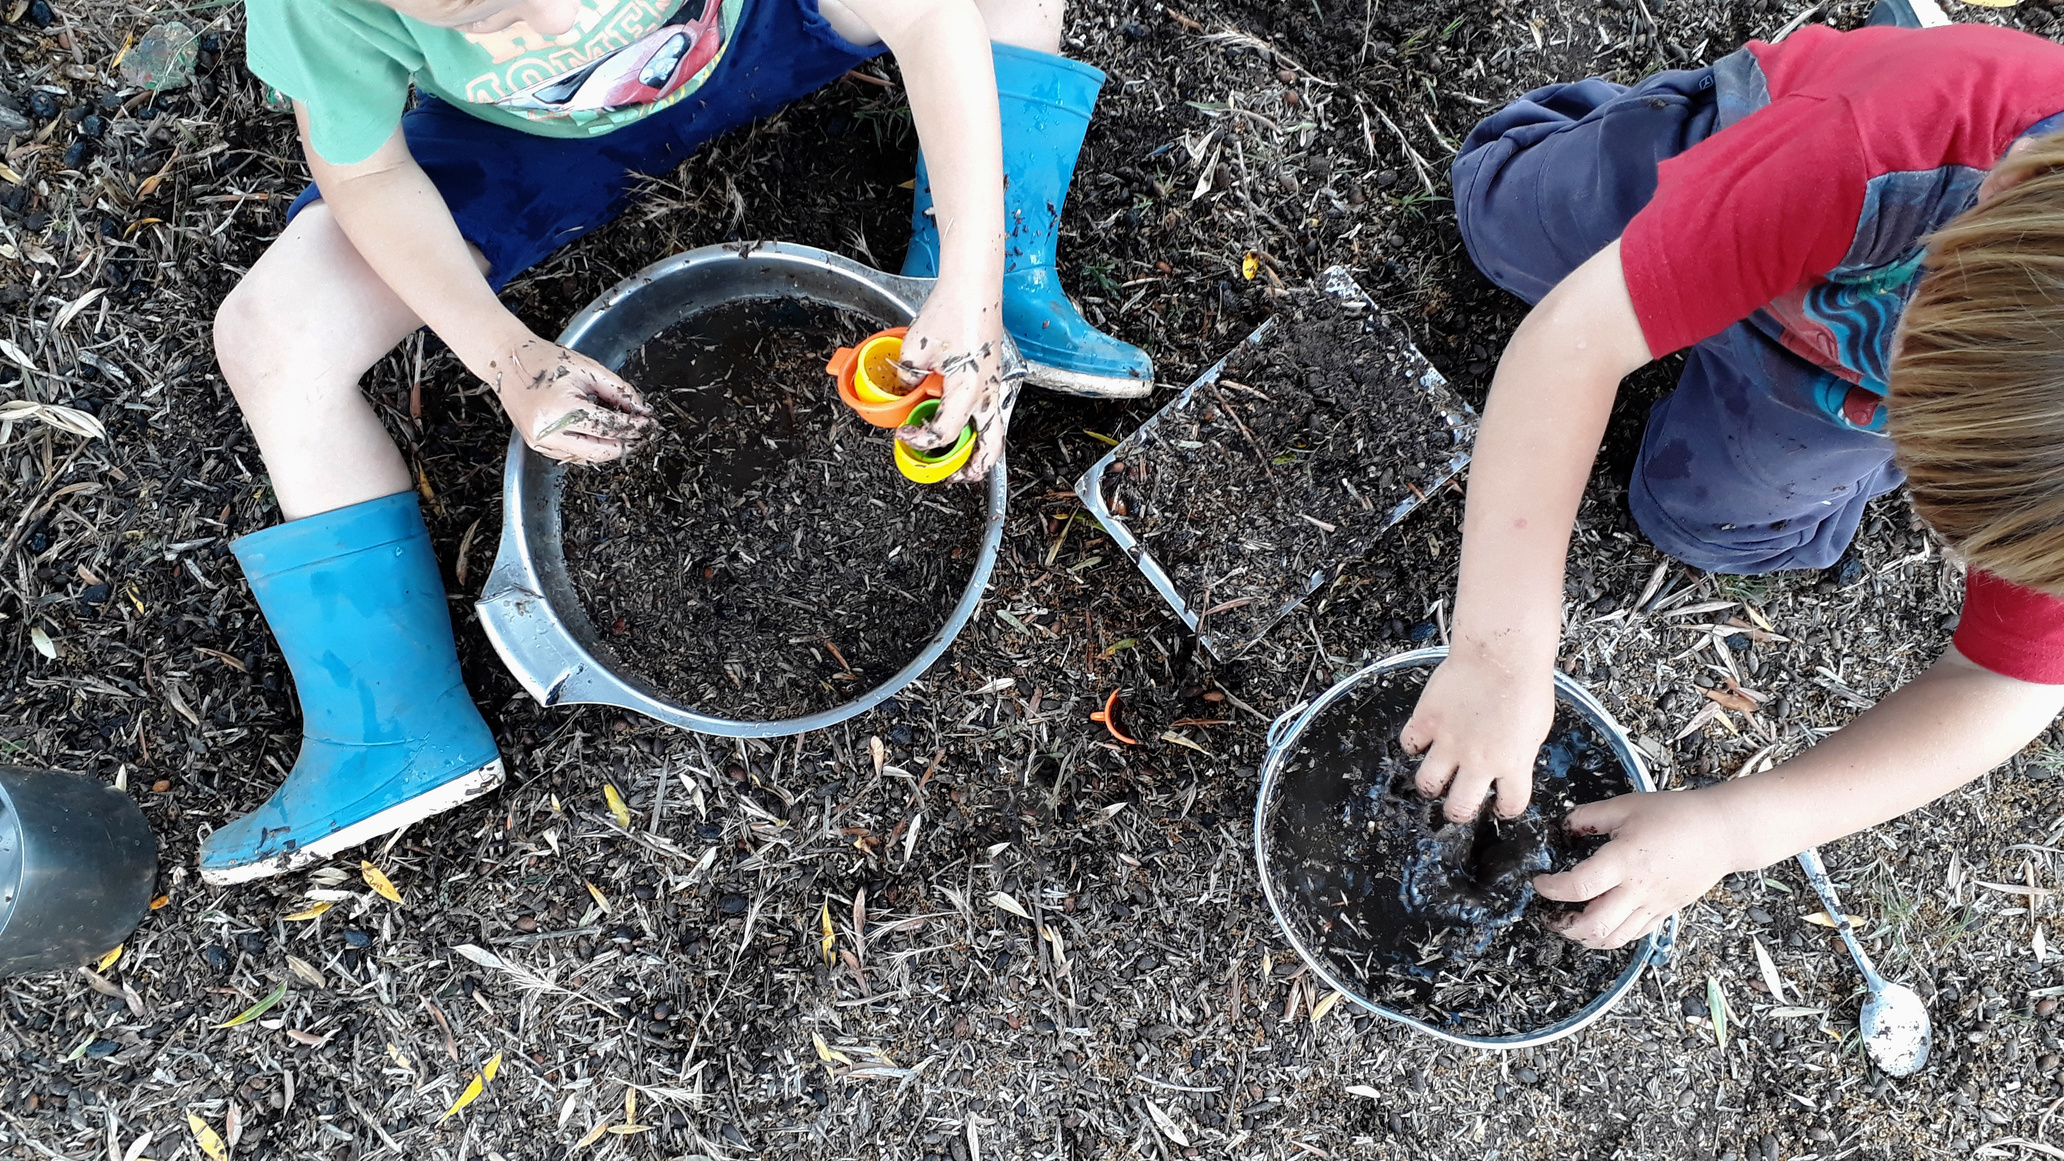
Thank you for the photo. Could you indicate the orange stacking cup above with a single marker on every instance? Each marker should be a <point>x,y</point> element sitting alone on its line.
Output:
<point>870,384</point>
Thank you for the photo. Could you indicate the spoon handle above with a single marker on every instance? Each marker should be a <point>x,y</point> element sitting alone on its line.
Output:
<point>1816,874</point>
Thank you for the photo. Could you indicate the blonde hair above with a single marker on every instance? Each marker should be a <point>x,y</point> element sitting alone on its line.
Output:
<point>1976,408</point>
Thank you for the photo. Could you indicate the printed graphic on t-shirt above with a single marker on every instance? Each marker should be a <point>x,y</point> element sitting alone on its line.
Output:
<point>640,55</point>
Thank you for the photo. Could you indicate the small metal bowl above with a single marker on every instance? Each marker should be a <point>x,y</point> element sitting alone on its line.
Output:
<point>529,608</point>
<point>1283,736</point>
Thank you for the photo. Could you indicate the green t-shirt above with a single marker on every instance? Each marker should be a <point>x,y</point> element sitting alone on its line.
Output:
<point>351,62</point>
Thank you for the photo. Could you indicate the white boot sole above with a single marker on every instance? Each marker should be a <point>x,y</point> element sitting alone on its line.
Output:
<point>458,791</point>
<point>1088,386</point>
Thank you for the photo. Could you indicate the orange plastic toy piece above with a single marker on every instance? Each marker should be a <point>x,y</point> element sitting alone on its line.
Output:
<point>870,384</point>
<point>1109,716</point>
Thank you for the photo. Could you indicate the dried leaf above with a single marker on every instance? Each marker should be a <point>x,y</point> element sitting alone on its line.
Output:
<point>107,961</point>
<point>601,900</point>
<point>1363,1090</point>
<point>42,642</point>
<point>1716,1006</point>
<point>305,972</point>
<point>830,936</point>
<point>471,1094</point>
<point>1250,266</point>
<point>310,913</point>
<point>1009,904</point>
<point>1823,919</point>
<point>400,1060</point>
<point>617,806</point>
<point>594,1135</point>
<point>205,1137</point>
<point>309,1038</point>
<point>379,882</point>
<point>1167,1125</point>
<point>1768,967</point>
<point>161,902</point>
<point>258,1009</point>
<point>1740,703</point>
<point>1324,1006</point>
<point>1993,3</point>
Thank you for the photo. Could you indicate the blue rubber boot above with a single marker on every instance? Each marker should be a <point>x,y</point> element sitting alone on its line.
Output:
<point>1045,101</point>
<point>389,733</point>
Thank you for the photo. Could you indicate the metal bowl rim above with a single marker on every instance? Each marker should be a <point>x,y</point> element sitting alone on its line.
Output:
<point>525,470</point>
<point>1290,726</point>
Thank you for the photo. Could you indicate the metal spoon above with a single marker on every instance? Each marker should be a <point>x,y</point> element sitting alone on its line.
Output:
<point>1895,1025</point>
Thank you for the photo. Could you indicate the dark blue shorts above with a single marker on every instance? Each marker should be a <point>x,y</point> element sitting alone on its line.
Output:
<point>1741,469</point>
<point>519,196</point>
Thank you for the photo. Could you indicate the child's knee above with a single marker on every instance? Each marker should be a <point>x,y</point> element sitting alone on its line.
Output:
<point>239,326</point>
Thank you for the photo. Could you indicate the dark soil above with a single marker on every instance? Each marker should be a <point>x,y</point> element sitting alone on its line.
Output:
<point>1152,981</point>
<point>761,557</point>
<point>1436,920</point>
<point>1262,485</point>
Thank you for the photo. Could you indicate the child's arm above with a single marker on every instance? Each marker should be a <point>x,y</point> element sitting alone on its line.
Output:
<point>398,222</point>
<point>943,49</point>
<point>1946,727</point>
<point>1487,708</point>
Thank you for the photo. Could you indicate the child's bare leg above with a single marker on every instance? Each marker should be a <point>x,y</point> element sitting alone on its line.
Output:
<point>1033,24</point>
<point>294,339</point>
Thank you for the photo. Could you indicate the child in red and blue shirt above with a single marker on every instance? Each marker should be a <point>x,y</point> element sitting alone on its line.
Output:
<point>1858,240</point>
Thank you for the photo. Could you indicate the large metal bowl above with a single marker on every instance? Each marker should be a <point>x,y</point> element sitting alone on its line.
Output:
<point>1283,736</point>
<point>529,608</point>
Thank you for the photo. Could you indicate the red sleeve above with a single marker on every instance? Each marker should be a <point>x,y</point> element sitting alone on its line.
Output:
<point>1742,217</point>
<point>2014,632</point>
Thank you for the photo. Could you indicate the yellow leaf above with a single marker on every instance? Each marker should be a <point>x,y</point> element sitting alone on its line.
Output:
<point>1250,266</point>
<point>823,1049</point>
<point>206,1138</point>
<point>494,1065</point>
<point>161,902</point>
<point>830,937</point>
<point>258,1009</point>
<point>594,1135</point>
<point>1324,1006</point>
<point>630,1105</point>
<point>8,175</point>
<point>107,961</point>
<point>398,1058</point>
<point>1823,919</point>
<point>310,913</point>
<point>472,1093</point>
<point>379,882</point>
<point>1993,3</point>
<point>630,1129</point>
<point>616,806</point>
<point>601,900</point>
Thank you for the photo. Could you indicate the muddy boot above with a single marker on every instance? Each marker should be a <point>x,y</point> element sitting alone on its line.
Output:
<point>1045,101</point>
<point>389,733</point>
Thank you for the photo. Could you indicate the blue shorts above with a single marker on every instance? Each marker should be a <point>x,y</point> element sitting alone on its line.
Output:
<point>519,197</point>
<point>1741,469</point>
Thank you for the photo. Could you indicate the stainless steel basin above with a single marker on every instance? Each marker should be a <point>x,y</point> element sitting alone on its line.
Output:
<point>529,608</point>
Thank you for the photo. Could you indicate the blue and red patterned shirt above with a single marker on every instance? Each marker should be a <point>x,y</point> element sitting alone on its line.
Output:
<point>1806,213</point>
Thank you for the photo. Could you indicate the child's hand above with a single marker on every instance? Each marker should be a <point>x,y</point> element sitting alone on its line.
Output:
<point>567,406</point>
<point>962,339</point>
<point>1480,722</point>
<point>1666,851</point>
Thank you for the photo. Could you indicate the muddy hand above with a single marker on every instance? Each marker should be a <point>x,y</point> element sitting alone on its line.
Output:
<point>967,349</point>
<point>1479,724</point>
<point>1666,850</point>
<point>567,406</point>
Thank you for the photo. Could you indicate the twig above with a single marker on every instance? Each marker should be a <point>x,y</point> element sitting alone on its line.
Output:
<point>1418,162</point>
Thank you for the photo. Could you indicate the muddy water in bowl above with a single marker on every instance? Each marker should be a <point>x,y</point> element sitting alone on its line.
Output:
<point>1428,920</point>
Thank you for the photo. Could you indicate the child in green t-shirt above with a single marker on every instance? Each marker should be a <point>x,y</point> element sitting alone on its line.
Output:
<point>531,121</point>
